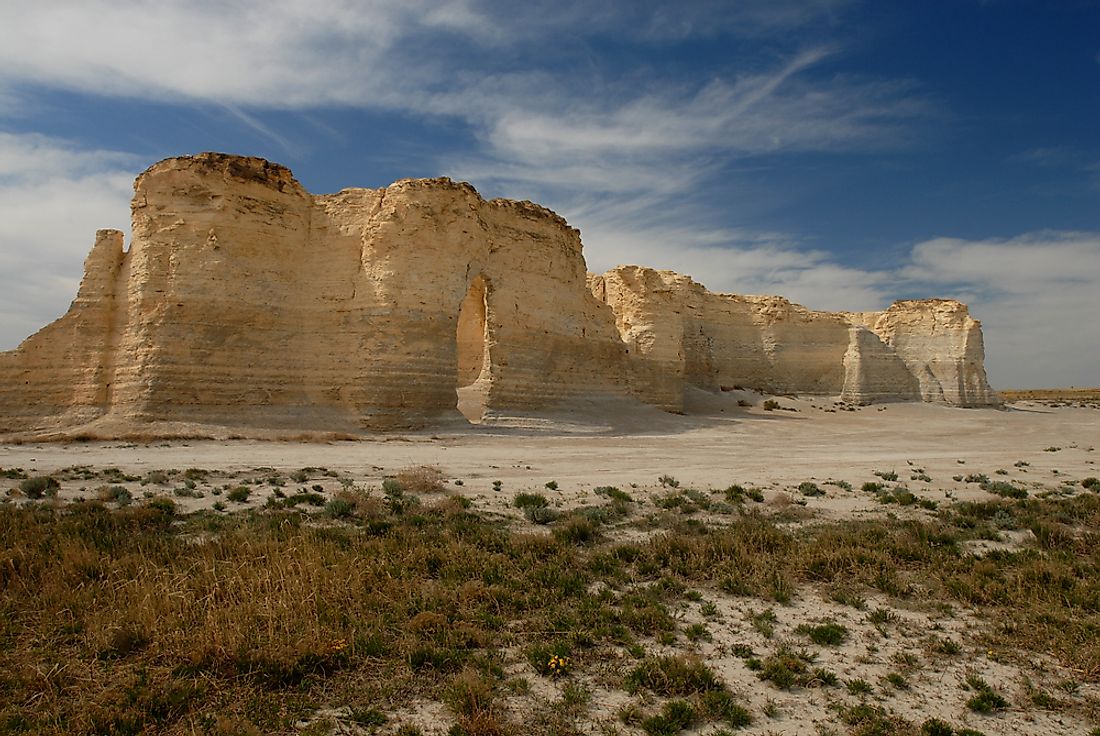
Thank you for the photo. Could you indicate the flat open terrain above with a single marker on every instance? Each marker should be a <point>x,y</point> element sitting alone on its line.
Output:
<point>814,569</point>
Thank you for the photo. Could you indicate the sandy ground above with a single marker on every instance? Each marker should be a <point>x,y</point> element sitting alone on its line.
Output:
<point>1030,443</point>
<point>603,445</point>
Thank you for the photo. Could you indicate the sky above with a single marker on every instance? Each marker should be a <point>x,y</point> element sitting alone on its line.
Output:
<point>841,153</point>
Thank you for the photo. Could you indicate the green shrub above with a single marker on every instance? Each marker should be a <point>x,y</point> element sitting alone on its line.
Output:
<point>313,499</point>
<point>540,514</point>
<point>889,475</point>
<point>117,494</point>
<point>1093,484</point>
<point>239,494</point>
<point>530,500</point>
<point>157,477</point>
<point>339,508</point>
<point>614,494</point>
<point>807,488</point>
<point>162,504</point>
<point>1001,488</point>
<point>39,486</point>
<point>576,530</point>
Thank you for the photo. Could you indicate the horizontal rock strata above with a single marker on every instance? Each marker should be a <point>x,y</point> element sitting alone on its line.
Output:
<point>679,333</point>
<point>245,301</point>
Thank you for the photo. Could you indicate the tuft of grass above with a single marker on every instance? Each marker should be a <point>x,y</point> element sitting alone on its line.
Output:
<point>673,676</point>
<point>872,720</point>
<point>829,633</point>
<point>719,705</point>
<point>936,727</point>
<point>675,716</point>
<point>785,669</point>
<point>897,680</point>
<point>985,699</point>
<point>859,686</point>
<point>764,622</point>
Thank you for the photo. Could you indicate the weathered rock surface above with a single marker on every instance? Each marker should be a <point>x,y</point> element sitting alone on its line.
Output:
<point>680,333</point>
<point>244,301</point>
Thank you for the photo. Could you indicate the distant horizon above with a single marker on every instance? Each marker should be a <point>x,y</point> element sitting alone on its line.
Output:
<point>843,154</point>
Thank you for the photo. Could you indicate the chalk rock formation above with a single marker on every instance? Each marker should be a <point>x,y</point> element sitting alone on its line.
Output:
<point>245,301</point>
<point>681,333</point>
<point>940,344</point>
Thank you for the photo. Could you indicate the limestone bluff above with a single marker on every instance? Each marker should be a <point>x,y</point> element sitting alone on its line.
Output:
<point>246,302</point>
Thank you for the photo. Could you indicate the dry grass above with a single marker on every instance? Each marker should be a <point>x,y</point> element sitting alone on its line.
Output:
<point>1056,397</point>
<point>422,479</point>
<point>133,621</point>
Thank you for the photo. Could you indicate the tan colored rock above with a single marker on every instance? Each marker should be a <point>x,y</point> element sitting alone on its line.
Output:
<point>679,333</point>
<point>940,344</point>
<point>246,302</point>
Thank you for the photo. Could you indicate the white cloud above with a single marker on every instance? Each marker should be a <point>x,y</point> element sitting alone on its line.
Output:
<point>1037,296</point>
<point>53,197</point>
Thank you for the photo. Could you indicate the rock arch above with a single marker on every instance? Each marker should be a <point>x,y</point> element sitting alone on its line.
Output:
<point>472,349</point>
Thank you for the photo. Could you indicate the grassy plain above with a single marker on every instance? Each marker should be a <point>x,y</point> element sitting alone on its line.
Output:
<point>515,583</point>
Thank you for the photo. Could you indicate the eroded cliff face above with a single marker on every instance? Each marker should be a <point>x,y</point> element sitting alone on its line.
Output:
<point>244,301</point>
<point>678,331</point>
<point>940,344</point>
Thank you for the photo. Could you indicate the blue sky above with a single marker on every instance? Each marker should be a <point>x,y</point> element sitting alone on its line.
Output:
<point>841,153</point>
